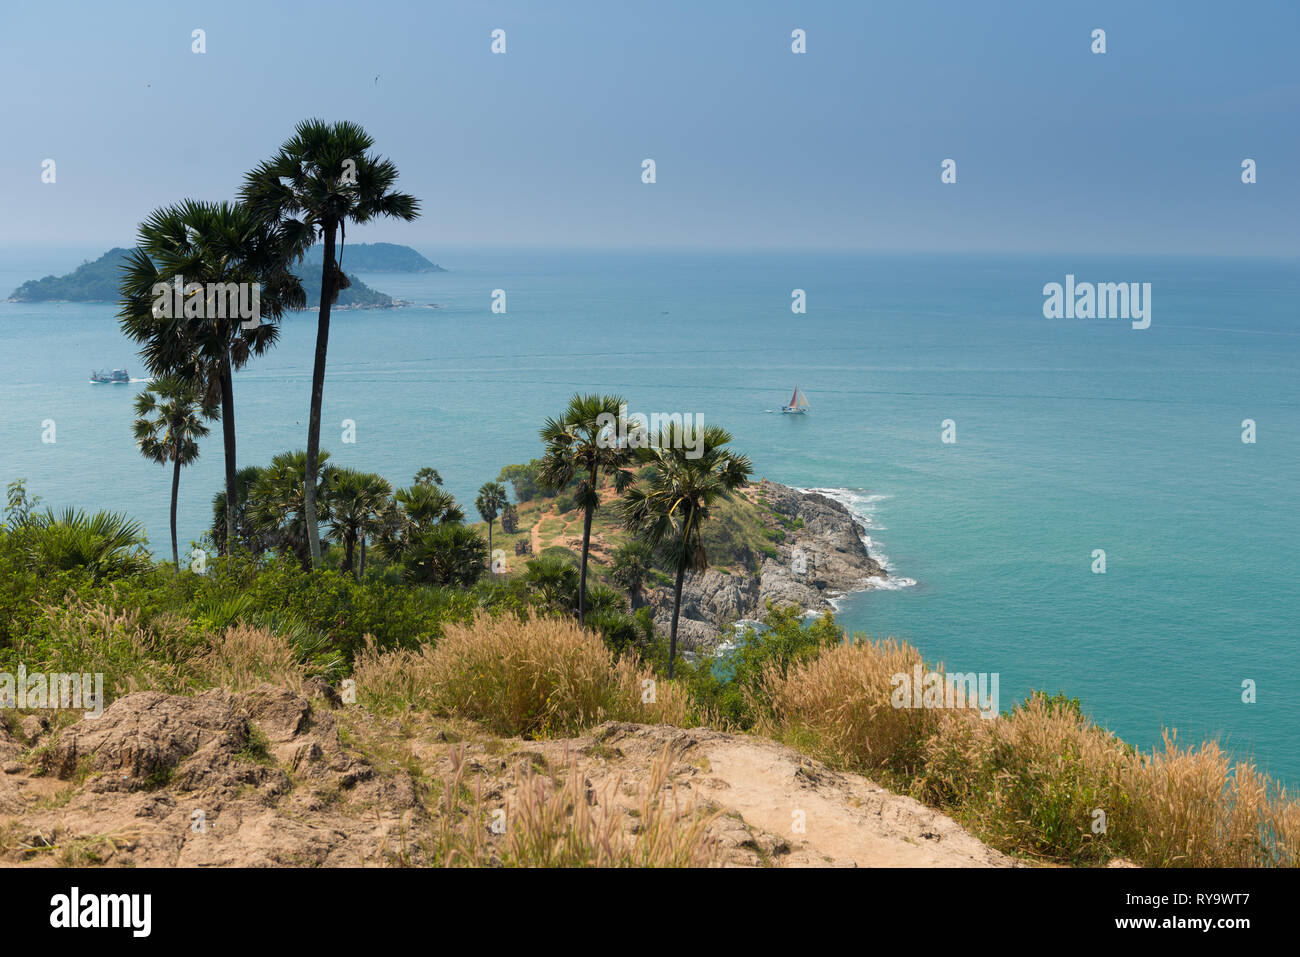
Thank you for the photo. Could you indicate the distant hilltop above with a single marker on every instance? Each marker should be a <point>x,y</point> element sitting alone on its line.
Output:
<point>375,257</point>
<point>97,281</point>
<point>90,282</point>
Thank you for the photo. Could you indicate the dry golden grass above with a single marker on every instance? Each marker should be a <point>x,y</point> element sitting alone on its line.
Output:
<point>166,654</point>
<point>531,677</point>
<point>397,678</point>
<point>1041,780</point>
<point>555,821</point>
<point>837,706</point>
<point>1030,781</point>
<point>1196,808</point>
<point>97,638</point>
<point>1287,833</point>
<point>244,656</point>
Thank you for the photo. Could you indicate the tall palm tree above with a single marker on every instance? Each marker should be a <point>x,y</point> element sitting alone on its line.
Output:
<point>357,504</point>
<point>491,500</point>
<point>198,242</point>
<point>321,180</point>
<point>428,476</point>
<point>277,503</point>
<point>168,427</point>
<point>581,443</point>
<point>672,507</point>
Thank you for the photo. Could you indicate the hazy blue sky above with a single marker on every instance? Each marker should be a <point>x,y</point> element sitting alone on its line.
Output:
<point>1056,148</point>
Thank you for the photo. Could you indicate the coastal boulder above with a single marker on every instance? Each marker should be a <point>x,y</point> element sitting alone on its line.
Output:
<point>142,737</point>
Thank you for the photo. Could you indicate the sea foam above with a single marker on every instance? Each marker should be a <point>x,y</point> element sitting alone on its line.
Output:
<point>862,506</point>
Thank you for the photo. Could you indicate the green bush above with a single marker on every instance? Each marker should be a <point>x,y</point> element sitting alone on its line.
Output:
<point>560,553</point>
<point>326,613</point>
<point>722,688</point>
<point>523,481</point>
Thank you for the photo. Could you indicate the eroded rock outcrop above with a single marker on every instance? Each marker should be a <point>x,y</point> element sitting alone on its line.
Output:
<point>216,779</point>
<point>264,778</point>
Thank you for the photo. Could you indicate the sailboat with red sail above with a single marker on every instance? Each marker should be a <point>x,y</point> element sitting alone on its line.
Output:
<point>798,404</point>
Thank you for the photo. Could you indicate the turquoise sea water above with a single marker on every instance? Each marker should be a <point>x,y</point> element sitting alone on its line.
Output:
<point>1072,435</point>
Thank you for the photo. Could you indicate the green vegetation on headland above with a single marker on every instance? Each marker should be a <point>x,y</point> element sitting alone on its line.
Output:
<point>98,281</point>
<point>357,295</point>
<point>737,540</point>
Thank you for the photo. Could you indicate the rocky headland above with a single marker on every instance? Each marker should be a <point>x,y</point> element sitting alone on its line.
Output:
<point>819,556</point>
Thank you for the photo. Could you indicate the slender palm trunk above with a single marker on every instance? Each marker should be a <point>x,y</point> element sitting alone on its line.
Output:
<point>687,527</point>
<point>677,610</point>
<point>349,547</point>
<point>489,543</point>
<point>582,580</point>
<point>586,547</point>
<point>176,487</point>
<point>361,568</point>
<point>318,391</point>
<point>228,441</point>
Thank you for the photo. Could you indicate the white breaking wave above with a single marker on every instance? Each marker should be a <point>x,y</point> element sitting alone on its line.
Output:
<point>728,645</point>
<point>862,505</point>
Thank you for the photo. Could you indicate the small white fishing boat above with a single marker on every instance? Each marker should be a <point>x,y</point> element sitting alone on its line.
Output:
<point>117,375</point>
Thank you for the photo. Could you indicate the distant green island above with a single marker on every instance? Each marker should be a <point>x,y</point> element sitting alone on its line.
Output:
<point>97,281</point>
<point>375,257</point>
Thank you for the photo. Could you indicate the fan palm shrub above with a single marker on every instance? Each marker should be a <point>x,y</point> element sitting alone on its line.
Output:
<point>105,544</point>
<point>412,511</point>
<point>553,580</point>
<point>277,503</point>
<point>447,554</point>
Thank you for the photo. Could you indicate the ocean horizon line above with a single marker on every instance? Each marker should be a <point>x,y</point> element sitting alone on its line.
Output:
<point>1279,256</point>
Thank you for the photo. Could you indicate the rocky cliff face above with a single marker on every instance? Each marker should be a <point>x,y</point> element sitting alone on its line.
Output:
<point>820,558</point>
